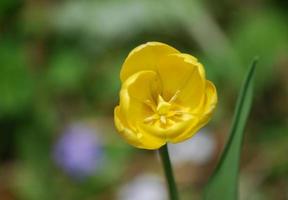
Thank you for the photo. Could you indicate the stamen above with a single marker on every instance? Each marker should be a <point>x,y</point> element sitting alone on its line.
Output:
<point>180,112</point>
<point>150,119</point>
<point>163,119</point>
<point>173,99</point>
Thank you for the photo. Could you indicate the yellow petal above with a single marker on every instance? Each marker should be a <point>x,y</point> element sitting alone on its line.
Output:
<point>195,61</point>
<point>137,98</point>
<point>183,74</point>
<point>124,129</point>
<point>211,98</point>
<point>134,137</point>
<point>203,113</point>
<point>168,134</point>
<point>136,92</point>
<point>144,57</point>
<point>149,141</point>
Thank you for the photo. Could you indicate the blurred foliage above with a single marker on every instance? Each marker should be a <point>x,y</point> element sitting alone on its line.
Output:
<point>248,38</point>
<point>60,63</point>
<point>16,83</point>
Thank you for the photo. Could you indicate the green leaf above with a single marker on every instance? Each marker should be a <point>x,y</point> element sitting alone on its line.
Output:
<point>224,182</point>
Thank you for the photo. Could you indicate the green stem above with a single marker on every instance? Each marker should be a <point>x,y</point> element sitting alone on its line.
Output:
<point>163,151</point>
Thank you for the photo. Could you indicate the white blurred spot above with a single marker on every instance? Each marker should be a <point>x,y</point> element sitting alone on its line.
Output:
<point>198,150</point>
<point>144,187</point>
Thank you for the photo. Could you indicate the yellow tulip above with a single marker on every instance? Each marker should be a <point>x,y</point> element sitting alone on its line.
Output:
<point>164,96</point>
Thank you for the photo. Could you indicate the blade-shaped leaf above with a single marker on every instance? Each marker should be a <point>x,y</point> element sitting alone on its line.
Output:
<point>223,185</point>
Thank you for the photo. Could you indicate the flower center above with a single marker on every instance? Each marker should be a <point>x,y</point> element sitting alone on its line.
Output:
<point>165,113</point>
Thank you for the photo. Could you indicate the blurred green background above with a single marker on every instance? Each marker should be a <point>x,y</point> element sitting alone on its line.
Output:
<point>59,75</point>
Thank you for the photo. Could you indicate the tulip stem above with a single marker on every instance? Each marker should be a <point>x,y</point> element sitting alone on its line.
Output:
<point>163,151</point>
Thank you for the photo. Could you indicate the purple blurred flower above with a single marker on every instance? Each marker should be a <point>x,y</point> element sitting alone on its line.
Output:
<point>78,151</point>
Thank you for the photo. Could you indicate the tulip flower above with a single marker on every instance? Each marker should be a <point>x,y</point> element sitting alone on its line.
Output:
<point>164,96</point>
